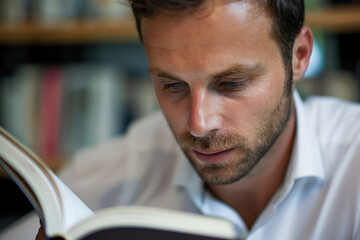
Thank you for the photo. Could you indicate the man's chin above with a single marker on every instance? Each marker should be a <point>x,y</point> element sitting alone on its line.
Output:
<point>216,173</point>
<point>228,171</point>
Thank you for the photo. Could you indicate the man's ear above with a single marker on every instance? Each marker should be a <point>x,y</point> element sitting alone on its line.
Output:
<point>301,52</point>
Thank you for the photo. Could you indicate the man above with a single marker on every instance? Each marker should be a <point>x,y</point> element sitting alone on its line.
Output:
<point>224,74</point>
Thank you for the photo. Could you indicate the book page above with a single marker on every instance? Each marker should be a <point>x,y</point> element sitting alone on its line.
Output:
<point>34,181</point>
<point>164,223</point>
<point>73,209</point>
<point>56,205</point>
<point>23,186</point>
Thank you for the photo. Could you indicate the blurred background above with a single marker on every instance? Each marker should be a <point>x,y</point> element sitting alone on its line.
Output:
<point>73,73</point>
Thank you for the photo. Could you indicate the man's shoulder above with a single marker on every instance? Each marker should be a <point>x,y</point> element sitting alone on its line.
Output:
<point>336,124</point>
<point>337,127</point>
<point>335,121</point>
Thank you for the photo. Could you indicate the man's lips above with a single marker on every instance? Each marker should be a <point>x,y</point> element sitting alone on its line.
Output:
<point>212,156</point>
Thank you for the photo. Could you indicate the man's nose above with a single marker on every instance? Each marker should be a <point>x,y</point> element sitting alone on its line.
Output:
<point>204,116</point>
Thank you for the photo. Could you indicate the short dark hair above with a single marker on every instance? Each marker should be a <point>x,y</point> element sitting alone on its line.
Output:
<point>287,16</point>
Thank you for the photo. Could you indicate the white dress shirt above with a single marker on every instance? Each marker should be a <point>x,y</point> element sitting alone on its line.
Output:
<point>319,198</point>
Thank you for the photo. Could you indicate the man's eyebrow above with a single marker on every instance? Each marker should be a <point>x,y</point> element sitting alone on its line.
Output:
<point>251,71</point>
<point>154,71</point>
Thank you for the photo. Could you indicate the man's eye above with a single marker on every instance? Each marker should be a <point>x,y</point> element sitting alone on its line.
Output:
<point>174,87</point>
<point>232,85</point>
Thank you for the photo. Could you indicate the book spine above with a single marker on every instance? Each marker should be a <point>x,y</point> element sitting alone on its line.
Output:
<point>107,103</point>
<point>28,78</point>
<point>50,113</point>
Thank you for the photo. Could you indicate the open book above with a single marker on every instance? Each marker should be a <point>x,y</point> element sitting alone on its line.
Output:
<point>65,216</point>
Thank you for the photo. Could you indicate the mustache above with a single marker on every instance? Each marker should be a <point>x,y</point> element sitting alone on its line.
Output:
<point>212,140</point>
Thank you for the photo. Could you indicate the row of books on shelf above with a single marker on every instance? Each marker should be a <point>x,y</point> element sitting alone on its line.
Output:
<point>50,11</point>
<point>57,110</point>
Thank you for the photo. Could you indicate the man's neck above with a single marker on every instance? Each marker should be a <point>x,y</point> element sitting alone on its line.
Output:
<point>250,195</point>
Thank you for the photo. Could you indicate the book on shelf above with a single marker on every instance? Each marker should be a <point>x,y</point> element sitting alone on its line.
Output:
<point>50,113</point>
<point>57,110</point>
<point>19,101</point>
<point>106,104</point>
<point>65,216</point>
<point>94,105</point>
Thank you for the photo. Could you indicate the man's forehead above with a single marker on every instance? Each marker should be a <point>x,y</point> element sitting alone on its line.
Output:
<point>216,26</point>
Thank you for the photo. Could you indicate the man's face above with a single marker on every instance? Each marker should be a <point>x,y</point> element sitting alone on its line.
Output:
<point>220,81</point>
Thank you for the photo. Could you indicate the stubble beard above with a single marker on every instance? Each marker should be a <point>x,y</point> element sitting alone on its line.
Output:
<point>232,170</point>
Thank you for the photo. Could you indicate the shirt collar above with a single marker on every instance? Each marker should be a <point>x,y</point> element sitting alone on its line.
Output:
<point>306,159</point>
<point>186,177</point>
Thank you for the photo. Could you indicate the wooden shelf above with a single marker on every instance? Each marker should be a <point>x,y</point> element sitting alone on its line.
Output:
<point>336,19</point>
<point>68,32</point>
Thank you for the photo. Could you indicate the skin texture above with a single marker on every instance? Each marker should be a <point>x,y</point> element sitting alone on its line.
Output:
<point>221,83</point>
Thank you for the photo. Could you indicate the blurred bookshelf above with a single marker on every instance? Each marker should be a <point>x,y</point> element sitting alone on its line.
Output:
<point>334,68</point>
<point>72,74</point>
<point>70,32</point>
<point>335,19</point>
